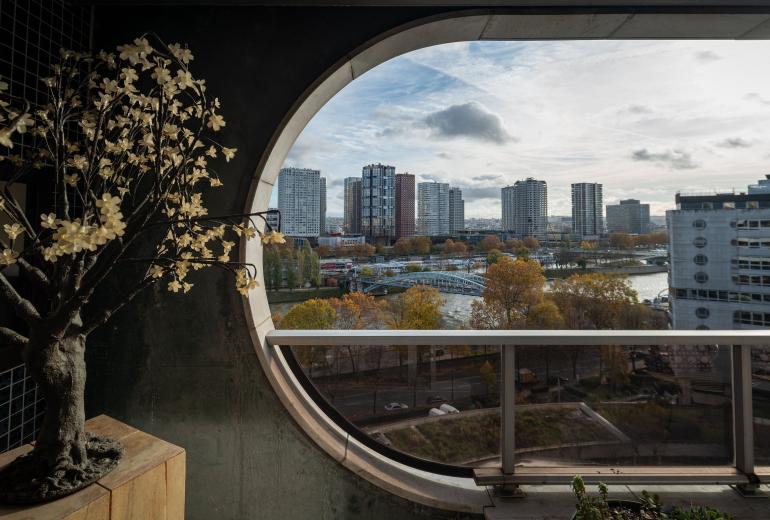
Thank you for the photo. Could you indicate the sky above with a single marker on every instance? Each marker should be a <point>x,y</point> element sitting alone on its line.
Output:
<point>644,118</point>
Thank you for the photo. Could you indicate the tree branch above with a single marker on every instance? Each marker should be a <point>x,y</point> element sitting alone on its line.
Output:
<point>100,319</point>
<point>12,338</point>
<point>22,306</point>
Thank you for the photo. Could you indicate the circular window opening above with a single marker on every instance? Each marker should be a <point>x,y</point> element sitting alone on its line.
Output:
<point>699,224</point>
<point>378,395</point>
<point>700,242</point>
<point>700,259</point>
<point>701,277</point>
<point>702,312</point>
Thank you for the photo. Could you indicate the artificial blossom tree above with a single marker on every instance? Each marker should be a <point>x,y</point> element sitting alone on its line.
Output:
<point>124,144</point>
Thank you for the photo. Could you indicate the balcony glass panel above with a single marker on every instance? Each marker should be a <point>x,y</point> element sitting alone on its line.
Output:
<point>436,403</point>
<point>628,406</point>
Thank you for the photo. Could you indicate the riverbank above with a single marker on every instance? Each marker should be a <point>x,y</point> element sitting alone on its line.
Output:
<point>300,295</point>
<point>628,270</point>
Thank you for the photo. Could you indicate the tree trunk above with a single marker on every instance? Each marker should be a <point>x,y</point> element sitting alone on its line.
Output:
<point>57,365</point>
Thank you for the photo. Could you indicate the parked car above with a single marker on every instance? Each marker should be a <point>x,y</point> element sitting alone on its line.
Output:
<point>434,399</point>
<point>396,406</point>
<point>435,412</point>
<point>448,408</point>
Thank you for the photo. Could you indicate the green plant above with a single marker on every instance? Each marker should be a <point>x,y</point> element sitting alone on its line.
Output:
<point>649,507</point>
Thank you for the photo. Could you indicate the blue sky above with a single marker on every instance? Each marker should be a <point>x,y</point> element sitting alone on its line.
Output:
<point>645,118</point>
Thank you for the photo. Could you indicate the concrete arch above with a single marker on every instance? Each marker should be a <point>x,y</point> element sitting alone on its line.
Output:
<point>604,23</point>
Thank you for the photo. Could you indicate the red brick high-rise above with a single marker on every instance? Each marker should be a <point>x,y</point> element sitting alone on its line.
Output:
<point>404,205</point>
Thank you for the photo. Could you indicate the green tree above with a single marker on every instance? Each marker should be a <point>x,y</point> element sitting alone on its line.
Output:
<point>290,267</point>
<point>493,256</point>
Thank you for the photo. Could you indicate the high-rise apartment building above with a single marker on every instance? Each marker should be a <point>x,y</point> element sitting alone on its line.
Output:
<point>525,208</point>
<point>322,207</point>
<point>456,211</point>
<point>378,201</point>
<point>628,217</point>
<point>352,209</point>
<point>719,253</point>
<point>404,205</point>
<point>587,210</point>
<point>299,196</point>
<point>432,208</point>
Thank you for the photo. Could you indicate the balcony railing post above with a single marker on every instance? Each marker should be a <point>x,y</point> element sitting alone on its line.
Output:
<point>743,415</point>
<point>507,410</point>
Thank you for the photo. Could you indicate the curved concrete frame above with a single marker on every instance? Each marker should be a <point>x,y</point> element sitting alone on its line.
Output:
<point>429,489</point>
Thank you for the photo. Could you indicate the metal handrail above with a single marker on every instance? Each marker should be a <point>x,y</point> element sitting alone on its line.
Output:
<point>298,338</point>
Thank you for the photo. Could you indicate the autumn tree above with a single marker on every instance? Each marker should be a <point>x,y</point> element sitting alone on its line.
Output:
<point>595,300</point>
<point>621,241</point>
<point>418,307</point>
<point>402,247</point>
<point>512,244</point>
<point>355,311</point>
<point>531,243</point>
<point>513,287</point>
<point>310,314</point>
<point>421,245</point>
<point>489,243</point>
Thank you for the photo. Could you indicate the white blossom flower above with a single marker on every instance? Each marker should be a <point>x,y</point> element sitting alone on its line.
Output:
<point>182,54</point>
<point>156,271</point>
<point>216,122</point>
<point>50,254</point>
<point>48,221</point>
<point>174,286</point>
<point>8,257</point>
<point>72,180</point>
<point>13,230</point>
<point>161,75</point>
<point>229,153</point>
<point>273,237</point>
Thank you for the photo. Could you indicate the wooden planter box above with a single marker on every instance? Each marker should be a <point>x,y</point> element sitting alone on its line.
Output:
<point>148,483</point>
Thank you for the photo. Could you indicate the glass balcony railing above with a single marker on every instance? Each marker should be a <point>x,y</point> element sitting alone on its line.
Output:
<point>540,406</point>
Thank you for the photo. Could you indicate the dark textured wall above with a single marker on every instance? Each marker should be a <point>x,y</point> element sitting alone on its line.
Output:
<point>183,367</point>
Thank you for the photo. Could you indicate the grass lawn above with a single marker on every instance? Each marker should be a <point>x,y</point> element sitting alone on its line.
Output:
<point>652,422</point>
<point>455,439</point>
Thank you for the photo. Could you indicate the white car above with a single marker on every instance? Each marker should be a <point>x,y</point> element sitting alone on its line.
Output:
<point>435,412</point>
<point>396,406</point>
<point>448,408</point>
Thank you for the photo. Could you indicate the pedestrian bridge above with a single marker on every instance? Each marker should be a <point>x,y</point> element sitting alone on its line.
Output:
<point>444,281</point>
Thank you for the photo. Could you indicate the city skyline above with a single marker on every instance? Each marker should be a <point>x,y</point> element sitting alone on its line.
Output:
<point>657,117</point>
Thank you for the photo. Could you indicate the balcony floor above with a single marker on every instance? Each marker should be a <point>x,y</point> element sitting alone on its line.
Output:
<point>558,502</point>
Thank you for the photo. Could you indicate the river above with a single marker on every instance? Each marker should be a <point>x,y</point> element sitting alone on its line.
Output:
<point>457,307</point>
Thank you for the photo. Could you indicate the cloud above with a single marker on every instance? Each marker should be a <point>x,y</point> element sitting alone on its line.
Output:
<point>676,159</point>
<point>754,96</point>
<point>468,120</point>
<point>735,142</point>
<point>637,109</point>
<point>491,192</point>
<point>482,178</point>
<point>707,56</point>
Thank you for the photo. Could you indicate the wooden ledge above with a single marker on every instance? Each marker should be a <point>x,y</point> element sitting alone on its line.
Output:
<point>148,483</point>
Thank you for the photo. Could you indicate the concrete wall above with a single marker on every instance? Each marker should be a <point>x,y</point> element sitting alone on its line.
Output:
<point>183,368</point>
